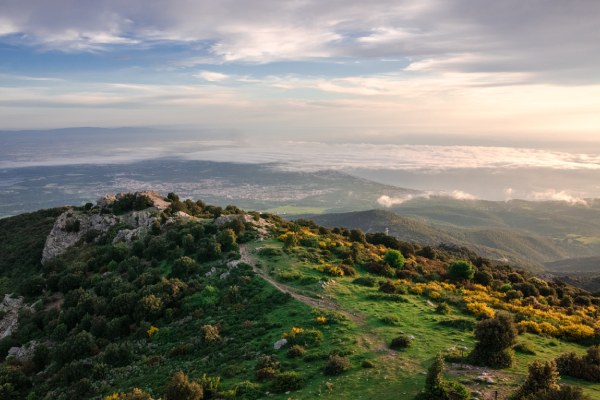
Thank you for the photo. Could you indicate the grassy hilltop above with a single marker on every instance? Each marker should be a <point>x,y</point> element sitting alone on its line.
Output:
<point>212,291</point>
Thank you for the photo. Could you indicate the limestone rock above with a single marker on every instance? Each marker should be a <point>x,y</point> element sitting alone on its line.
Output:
<point>10,321</point>
<point>279,344</point>
<point>71,227</point>
<point>23,353</point>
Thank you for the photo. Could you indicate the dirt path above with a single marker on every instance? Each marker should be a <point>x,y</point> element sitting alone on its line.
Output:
<point>319,303</point>
<point>371,339</point>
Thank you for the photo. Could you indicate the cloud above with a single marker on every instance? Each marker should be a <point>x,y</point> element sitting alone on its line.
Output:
<point>460,195</point>
<point>211,76</point>
<point>388,201</point>
<point>557,195</point>
<point>552,40</point>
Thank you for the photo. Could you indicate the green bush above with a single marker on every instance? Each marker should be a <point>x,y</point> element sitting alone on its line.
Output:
<point>495,339</point>
<point>306,338</point>
<point>118,354</point>
<point>524,348</point>
<point>390,320</point>
<point>437,388</point>
<point>443,308</point>
<point>296,351</point>
<point>394,259</point>
<point>247,390</point>
<point>367,364</point>
<point>336,365</point>
<point>461,270</point>
<point>287,381</point>
<point>365,281</point>
<point>542,378</point>
<point>401,342</point>
<point>586,367</point>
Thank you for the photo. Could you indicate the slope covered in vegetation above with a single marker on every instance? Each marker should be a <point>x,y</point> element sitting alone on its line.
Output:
<point>212,303</point>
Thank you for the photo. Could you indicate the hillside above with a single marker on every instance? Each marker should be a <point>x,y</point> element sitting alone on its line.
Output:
<point>138,287</point>
<point>502,244</point>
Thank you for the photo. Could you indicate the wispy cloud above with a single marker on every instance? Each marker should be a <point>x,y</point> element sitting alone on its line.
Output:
<point>557,195</point>
<point>211,76</point>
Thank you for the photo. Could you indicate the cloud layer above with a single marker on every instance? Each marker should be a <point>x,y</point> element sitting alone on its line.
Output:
<point>506,68</point>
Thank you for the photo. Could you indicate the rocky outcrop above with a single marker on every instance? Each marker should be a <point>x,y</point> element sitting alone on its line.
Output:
<point>23,353</point>
<point>141,221</point>
<point>260,224</point>
<point>72,226</point>
<point>9,322</point>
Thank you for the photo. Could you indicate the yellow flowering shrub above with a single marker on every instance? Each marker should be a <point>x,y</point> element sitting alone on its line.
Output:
<point>152,330</point>
<point>333,270</point>
<point>481,310</point>
<point>576,331</point>
<point>321,320</point>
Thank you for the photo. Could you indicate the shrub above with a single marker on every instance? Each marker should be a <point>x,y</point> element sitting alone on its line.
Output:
<point>367,364</point>
<point>264,374</point>
<point>437,388</point>
<point>460,324</point>
<point>387,287</point>
<point>210,333</point>
<point>181,350</point>
<point>390,320</point>
<point>287,381</point>
<point>495,338</point>
<point>401,342</point>
<point>365,281</point>
<point>305,337</point>
<point>118,354</point>
<point>332,270</point>
<point>348,270</point>
<point>586,367</point>
<point>210,386</point>
<point>524,348</point>
<point>394,259</point>
<point>443,308</point>
<point>247,390</point>
<point>481,310</point>
<point>565,392</point>
<point>541,378</point>
<point>180,387</point>
<point>296,351</point>
<point>461,270</point>
<point>267,362</point>
<point>336,365</point>
<point>134,394</point>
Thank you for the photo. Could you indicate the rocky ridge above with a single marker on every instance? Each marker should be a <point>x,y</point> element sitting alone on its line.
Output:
<point>73,226</point>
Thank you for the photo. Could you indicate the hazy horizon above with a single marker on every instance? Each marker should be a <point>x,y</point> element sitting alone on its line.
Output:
<point>491,100</point>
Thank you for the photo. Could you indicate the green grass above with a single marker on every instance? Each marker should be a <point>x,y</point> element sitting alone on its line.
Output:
<point>401,374</point>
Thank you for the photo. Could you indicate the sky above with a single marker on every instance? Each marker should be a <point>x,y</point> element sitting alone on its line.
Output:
<point>510,71</point>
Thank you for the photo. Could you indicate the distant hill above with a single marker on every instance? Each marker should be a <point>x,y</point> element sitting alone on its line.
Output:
<point>513,245</point>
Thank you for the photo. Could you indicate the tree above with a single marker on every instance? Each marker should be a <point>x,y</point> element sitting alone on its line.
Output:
<point>495,338</point>
<point>180,387</point>
<point>461,270</point>
<point>541,378</point>
<point>437,388</point>
<point>394,259</point>
<point>291,240</point>
<point>227,239</point>
<point>183,267</point>
<point>356,235</point>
